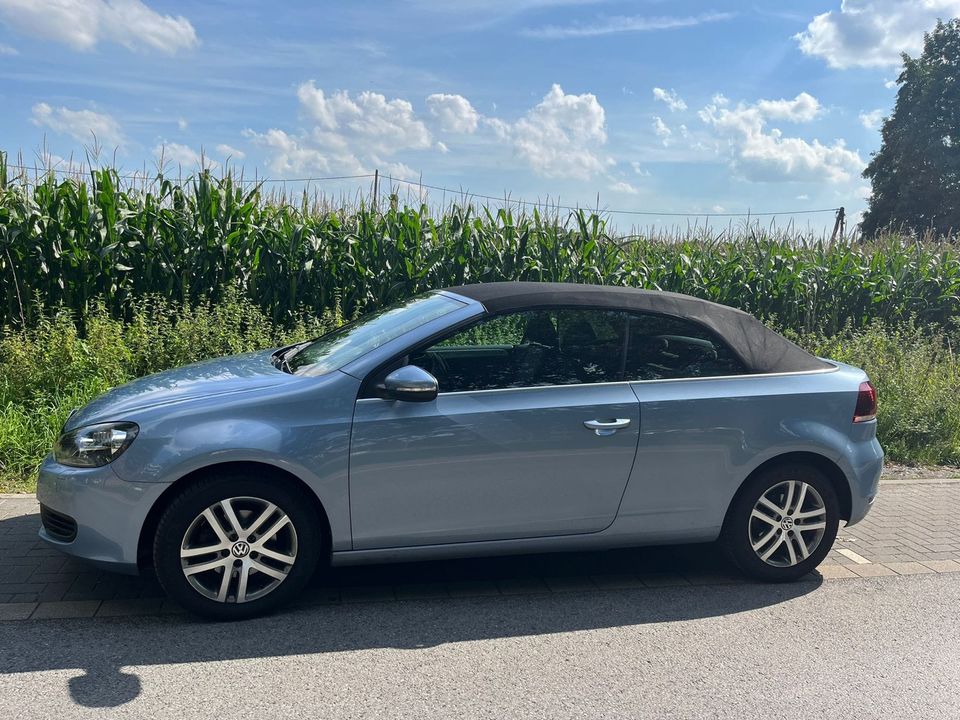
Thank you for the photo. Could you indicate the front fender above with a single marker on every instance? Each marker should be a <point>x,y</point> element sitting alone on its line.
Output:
<point>306,434</point>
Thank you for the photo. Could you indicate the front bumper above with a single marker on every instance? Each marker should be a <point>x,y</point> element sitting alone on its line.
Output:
<point>109,512</point>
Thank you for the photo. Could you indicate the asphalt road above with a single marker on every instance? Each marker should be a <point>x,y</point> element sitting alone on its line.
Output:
<point>884,647</point>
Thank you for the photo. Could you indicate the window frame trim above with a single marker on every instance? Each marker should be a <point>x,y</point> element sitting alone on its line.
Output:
<point>747,376</point>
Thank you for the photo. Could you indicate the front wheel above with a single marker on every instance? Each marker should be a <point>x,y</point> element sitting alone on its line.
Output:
<point>233,547</point>
<point>782,523</point>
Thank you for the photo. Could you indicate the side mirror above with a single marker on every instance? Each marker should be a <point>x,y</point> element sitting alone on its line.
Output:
<point>411,384</point>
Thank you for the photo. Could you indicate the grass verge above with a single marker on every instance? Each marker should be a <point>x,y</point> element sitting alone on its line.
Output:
<point>52,366</point>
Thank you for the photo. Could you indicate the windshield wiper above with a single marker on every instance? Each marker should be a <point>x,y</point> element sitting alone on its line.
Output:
<point>281,359</point>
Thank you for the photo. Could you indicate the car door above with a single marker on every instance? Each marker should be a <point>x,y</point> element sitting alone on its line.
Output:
<point>528,437</point>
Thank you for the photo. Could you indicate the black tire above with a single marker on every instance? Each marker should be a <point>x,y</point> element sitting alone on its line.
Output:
<point>736,539</point>
<point>193,500</point>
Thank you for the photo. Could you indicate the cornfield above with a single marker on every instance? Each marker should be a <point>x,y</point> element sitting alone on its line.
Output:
<point>81,242</point>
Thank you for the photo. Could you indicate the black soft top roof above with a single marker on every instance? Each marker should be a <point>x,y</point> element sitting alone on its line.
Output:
<point>760,348</point>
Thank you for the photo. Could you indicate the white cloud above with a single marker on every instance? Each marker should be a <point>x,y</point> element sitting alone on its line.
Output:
<point>397,170</point>
<point>369,120</point>
<point>803,108</point>
<point>228,151</point>
<point>873,33</point>
<point>82,125</point>
<point>670,97</point>
<point>639,169</point>
<point>624,188</point>
<point>82,24</point>
<point>563,135</point>
<point>293,156</point>
<point>182,123</point>
<point>454,112</point>
<point>660,128</point>
<point>871,120</point>
<point>322,109</point>
<point>621,24</point>
<point>7,50</point>
<point>350,135</point>
<point>181,155</point>
<point>765,154</point>
<point>501,129</point>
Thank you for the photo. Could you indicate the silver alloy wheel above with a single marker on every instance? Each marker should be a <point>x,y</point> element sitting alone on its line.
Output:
<point>238,549</point>
<point>787,523</point>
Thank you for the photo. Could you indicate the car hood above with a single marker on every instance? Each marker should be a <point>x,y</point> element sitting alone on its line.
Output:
<point>221,376</point>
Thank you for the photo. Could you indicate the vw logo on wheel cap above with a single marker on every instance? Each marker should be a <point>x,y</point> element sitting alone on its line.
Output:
<point>240,549</point>
<point>787,523</point>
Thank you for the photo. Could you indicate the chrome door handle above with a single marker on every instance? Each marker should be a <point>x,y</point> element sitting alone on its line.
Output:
<point>606,427</point>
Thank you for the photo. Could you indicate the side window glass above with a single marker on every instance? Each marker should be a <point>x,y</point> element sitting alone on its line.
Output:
<point>530,349</point>
<point>507,351</point>
<point>572,346</point>
<point>594,340</point>
<point>664,348</point>
<point>505,330</point>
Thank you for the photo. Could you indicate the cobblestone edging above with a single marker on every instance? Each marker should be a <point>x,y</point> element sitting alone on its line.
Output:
<point>911,530</point>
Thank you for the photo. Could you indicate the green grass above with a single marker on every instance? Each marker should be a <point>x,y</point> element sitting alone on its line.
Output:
<point>917,375</point>
<point>56,365</point>
<point>50,368</point>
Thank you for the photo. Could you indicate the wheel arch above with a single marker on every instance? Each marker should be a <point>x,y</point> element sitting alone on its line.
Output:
<point>833,472</point>
<point>149,528</point>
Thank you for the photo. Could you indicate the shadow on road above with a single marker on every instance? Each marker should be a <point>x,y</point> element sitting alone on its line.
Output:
<point>104,686</point>
<point>107,650</point>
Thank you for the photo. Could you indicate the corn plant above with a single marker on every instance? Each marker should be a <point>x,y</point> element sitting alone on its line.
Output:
<point>75,242</point>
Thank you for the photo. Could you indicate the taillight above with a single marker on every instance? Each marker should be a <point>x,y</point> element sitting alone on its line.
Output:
<point>866,403</point>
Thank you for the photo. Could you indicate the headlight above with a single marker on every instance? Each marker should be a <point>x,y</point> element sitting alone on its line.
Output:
<point>94,445</point>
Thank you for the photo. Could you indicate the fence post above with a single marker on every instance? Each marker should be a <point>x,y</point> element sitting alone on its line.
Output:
<point>376,188</point>
<point>839,225</point>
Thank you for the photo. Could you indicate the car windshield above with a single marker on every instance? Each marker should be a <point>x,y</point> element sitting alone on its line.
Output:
<point>335,349</point>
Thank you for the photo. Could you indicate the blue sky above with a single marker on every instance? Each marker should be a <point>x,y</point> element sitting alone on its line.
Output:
<point>647,105</point>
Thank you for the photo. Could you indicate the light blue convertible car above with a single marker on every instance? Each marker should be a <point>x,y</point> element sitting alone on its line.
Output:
<point>483,419</point>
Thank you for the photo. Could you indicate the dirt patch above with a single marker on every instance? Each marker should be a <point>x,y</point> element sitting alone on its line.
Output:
<point>894,471</point>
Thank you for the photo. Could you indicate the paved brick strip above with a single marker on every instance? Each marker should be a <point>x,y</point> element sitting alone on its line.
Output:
<point>911,530</point>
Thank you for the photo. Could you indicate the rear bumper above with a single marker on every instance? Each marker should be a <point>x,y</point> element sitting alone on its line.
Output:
<point>108,513</point>
<point>866,464</point>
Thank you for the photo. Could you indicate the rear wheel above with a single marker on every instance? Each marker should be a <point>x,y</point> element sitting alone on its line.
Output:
<point>233,547</point>
<point>782,523</point>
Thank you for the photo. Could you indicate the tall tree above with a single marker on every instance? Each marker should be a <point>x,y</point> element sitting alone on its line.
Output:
<point>916,173</point>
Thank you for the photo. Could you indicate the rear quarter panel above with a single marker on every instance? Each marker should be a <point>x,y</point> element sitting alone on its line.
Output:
<point>700,439</point>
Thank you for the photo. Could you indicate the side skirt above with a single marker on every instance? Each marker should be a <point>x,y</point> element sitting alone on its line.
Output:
<point>600,541</point>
